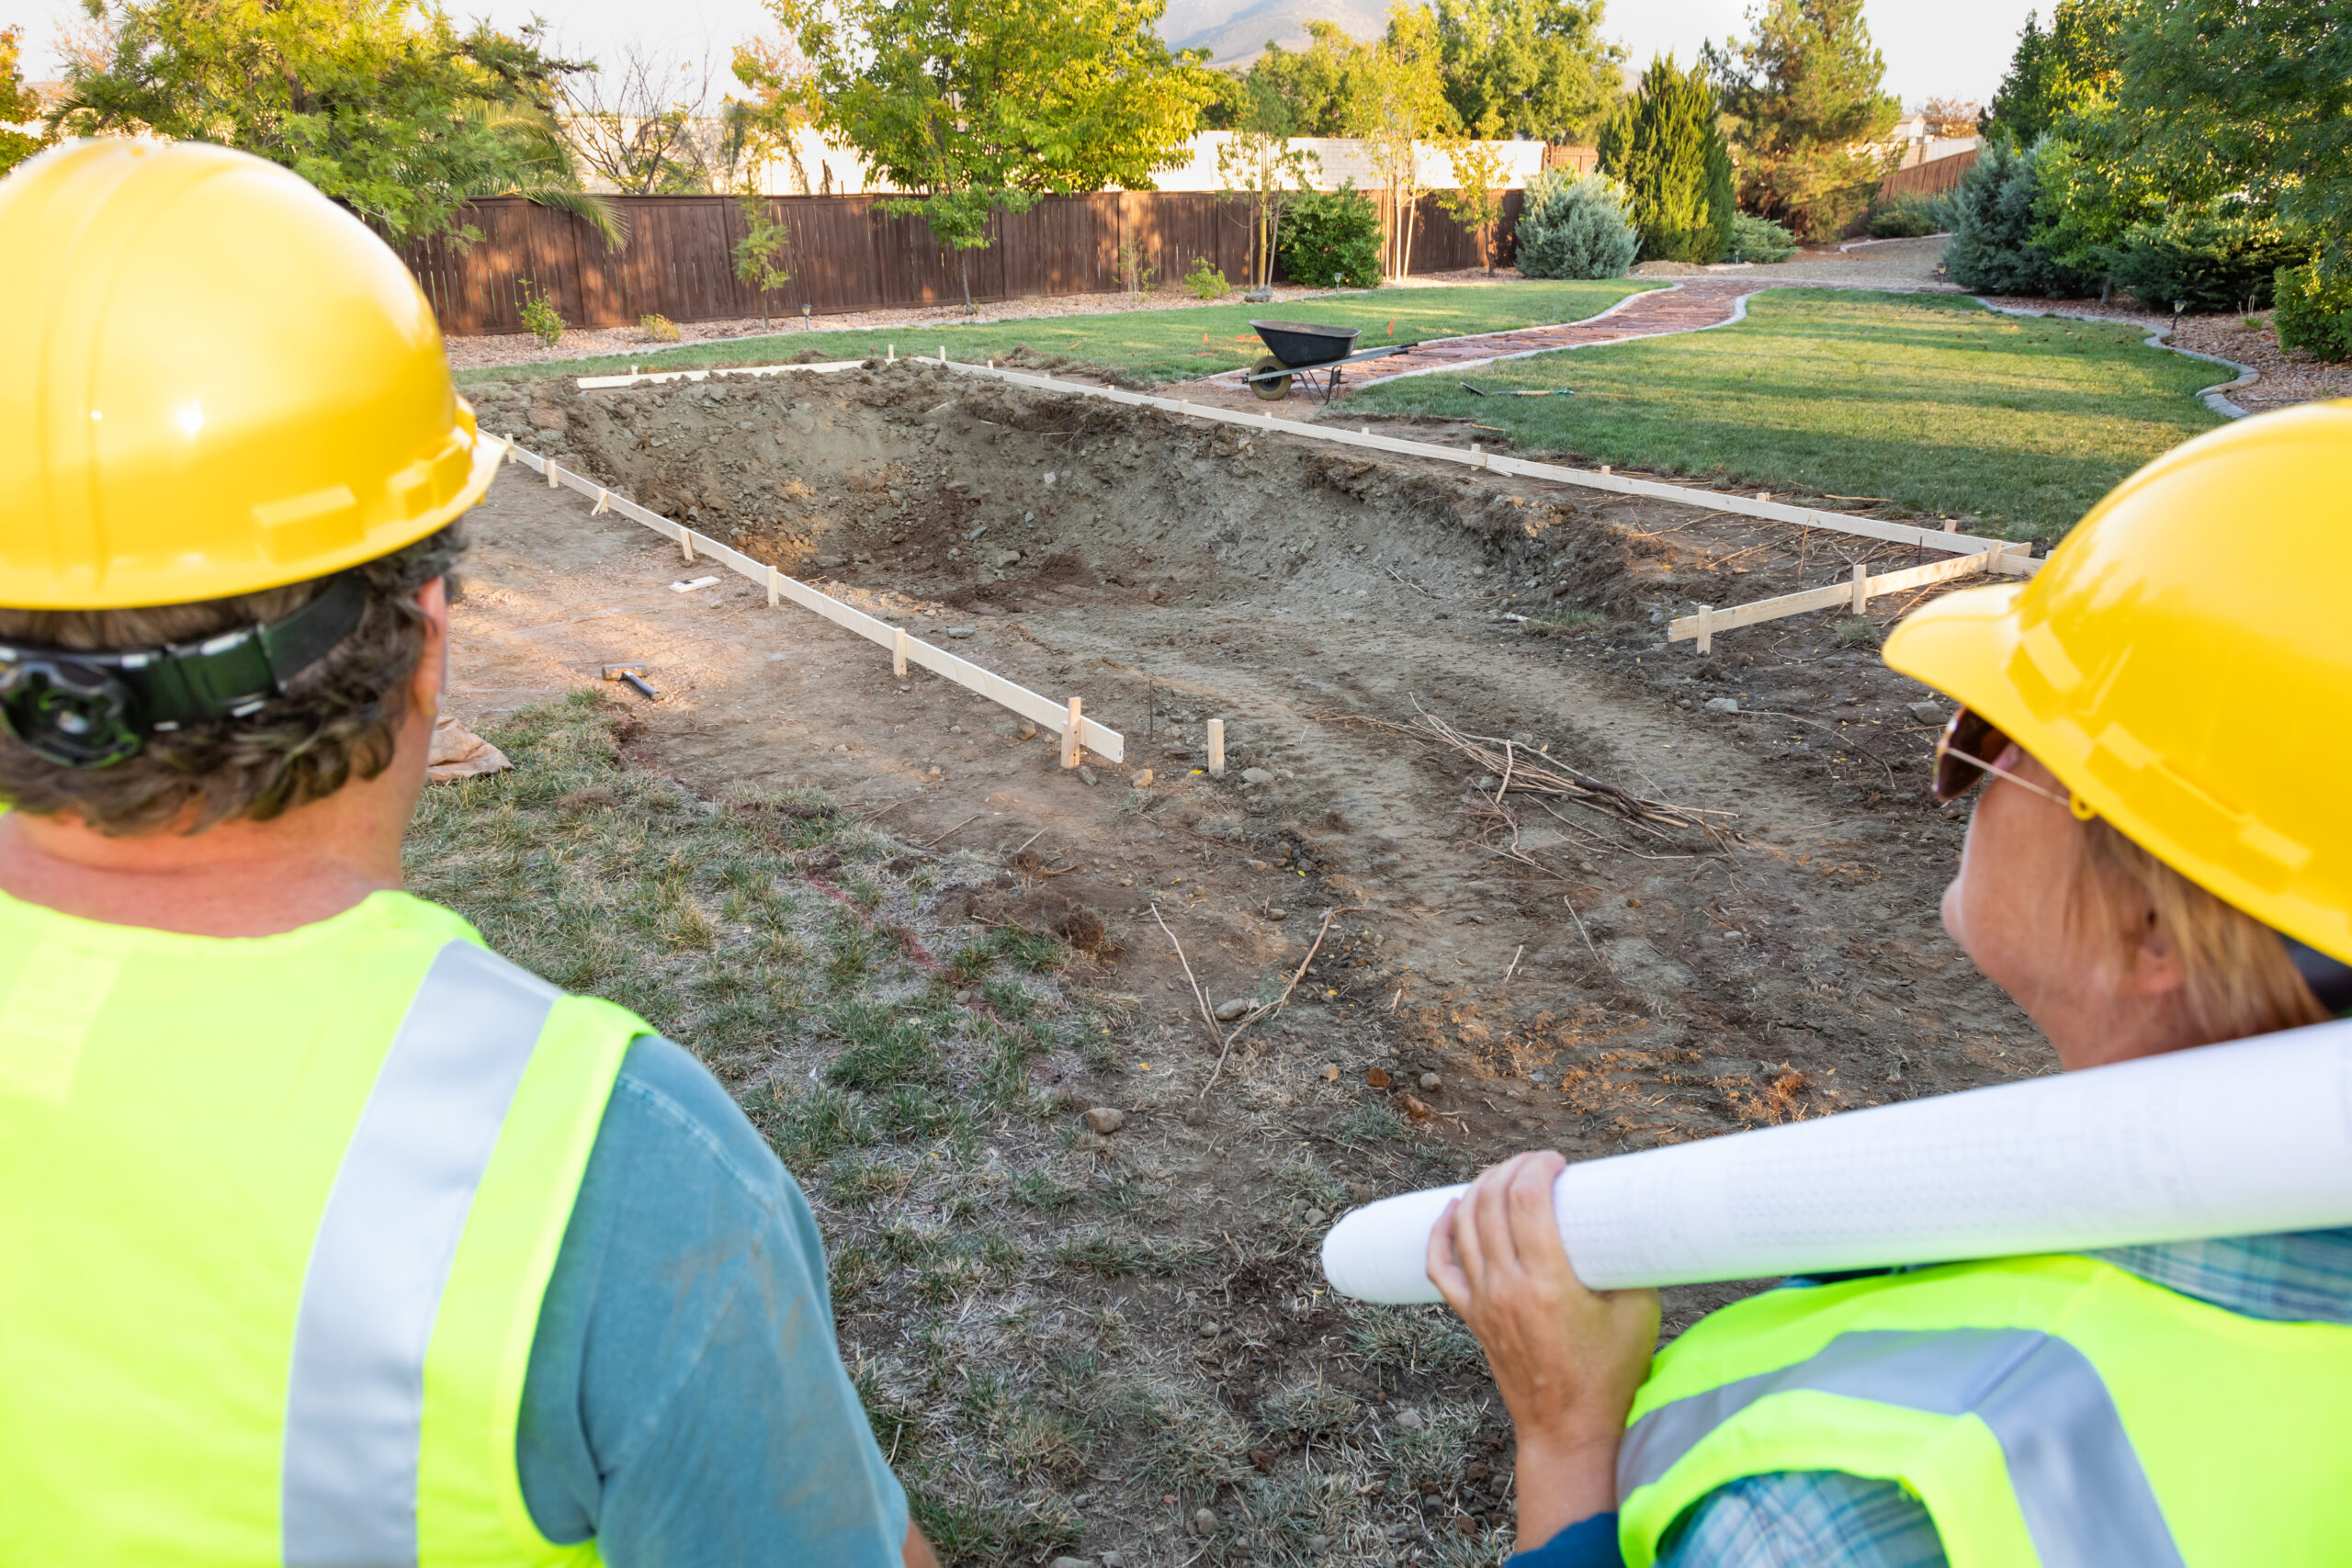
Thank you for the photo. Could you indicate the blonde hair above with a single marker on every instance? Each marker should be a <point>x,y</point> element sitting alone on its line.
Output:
<point>2238,979</point>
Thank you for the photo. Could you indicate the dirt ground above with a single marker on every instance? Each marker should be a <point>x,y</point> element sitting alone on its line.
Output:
<point>1572,978</point>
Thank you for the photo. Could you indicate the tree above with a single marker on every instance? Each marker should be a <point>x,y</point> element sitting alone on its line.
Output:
<point>2236,99</point>
<point>987,104</point>
<point>1664,146</point>
<point>1259,163</point>
<point>1402,104</point>
<point>1318,81</point>
<point>19,105</point>
<point>636,120</point>
<point>1805,96</point>
<point>1949,119</point>
<point>1476,200</point>
<point>378,103</point>
<point>1535,69</point>
<point>2074,68</point>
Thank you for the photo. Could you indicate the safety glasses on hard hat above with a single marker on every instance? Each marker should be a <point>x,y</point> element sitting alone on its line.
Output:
<point>1968,749</point>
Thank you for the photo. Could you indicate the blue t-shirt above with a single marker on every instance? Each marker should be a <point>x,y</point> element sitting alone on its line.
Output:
<point>686,1403</point>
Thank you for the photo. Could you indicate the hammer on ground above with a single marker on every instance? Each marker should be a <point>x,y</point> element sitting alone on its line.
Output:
<point>633,675</point>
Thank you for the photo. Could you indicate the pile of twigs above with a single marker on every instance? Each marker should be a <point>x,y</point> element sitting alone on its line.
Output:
<point>1518,770</point>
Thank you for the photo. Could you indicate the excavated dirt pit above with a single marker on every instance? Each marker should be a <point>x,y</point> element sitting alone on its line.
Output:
<point>1575,981</point>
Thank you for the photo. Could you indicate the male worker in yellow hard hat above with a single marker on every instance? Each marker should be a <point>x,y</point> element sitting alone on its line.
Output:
<point>326,1236</point>
<point>2161,859</point>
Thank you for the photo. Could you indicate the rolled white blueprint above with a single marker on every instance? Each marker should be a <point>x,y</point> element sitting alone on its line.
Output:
<point>2239,1139</point>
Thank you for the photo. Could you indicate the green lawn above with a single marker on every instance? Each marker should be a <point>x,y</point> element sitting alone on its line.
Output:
<point>1155,345</point>
<point>1935,404</point>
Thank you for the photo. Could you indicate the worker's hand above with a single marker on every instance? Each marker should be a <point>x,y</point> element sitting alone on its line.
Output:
<point>1565,1359</point>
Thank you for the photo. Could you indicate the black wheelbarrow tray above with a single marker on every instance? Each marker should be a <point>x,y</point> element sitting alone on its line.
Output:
<point>1311,354</point>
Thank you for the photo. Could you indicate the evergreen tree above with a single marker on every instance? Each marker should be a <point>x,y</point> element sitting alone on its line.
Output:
<point>1665,146</point>
<point>1806,99</point>
<point>2072,68</point>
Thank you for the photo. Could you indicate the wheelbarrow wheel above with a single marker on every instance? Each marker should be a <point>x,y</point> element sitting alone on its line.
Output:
<point>1274,388</point>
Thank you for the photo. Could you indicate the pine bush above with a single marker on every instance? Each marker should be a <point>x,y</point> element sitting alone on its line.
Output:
<point>2205,259</point>
<point>1759,239</point>
<point>1575,226</point>
<point>1992,248</point>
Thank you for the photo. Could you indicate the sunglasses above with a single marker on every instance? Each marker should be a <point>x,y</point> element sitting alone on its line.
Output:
<point>1971,747</point>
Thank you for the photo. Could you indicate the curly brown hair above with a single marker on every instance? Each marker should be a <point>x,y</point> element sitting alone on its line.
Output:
<point>339,719</point>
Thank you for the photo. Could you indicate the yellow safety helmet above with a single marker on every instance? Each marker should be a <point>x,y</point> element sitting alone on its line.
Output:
<point>216,381</point>
<point>2183,662</point>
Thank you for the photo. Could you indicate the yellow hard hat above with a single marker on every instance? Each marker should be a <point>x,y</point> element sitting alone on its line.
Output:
<point>216,381</point>
<point>2183,662</point>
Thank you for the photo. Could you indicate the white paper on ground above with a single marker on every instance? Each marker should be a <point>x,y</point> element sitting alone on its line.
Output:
<point>2239,1139</point>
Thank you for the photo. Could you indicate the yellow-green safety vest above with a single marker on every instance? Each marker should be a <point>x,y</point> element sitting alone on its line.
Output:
<point>277,1215</point>
<point>2054,1411</point>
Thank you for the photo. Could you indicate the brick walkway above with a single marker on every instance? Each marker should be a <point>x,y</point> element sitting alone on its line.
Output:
<point>1692,305</point>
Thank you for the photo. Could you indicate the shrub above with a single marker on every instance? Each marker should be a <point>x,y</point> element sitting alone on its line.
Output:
<point>2315,314</point>
<point>1331,239</point>
<point>539,318</point>
<point>1575,226</point>
<point>1665,144</point>
<point>657,329</point>
<point>1900,223</point>
<point>1759,239</point>
<point>1207,281</point>
<point>1992,248</point>
<point>2205,258</point>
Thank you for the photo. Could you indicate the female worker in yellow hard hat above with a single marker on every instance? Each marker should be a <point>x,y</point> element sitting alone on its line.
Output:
<point>2160,859</point>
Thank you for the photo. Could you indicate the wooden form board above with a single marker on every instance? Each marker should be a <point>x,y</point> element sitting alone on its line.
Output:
<point>2013,565</point>
<point>652,378</point>
<point>1855,596</point>
<point>1105,742</point>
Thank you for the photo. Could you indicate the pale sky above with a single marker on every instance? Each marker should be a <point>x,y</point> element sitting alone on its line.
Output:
<point>1933,47</point>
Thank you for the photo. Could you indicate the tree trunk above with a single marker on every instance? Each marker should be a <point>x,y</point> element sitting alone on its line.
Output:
<point>963,270</point>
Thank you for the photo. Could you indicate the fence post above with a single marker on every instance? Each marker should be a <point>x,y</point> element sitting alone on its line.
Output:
<point>1862,587</point>
<point>1072,750</point>
<point>776,587</point>
<point>1706,628</point>
<point>551,475</point>
<point>1216,748</point>
<point>898,652</point>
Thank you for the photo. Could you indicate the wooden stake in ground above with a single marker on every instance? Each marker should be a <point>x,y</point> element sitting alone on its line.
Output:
<point>1072,750</point>
<point>1216,748</point>
<point>899,655</point>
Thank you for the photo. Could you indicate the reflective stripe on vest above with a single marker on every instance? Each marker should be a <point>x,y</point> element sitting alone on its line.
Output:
<point>2085,1499</point>
<point>354,1405</point>
<point>279,1214</point>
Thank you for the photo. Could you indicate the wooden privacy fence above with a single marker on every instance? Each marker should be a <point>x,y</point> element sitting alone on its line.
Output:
<point>1930,178</point>
<point>847,253</point>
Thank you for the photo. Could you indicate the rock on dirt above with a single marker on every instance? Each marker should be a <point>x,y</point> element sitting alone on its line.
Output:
<point>1228,1011</point>
<point>1331,1073</point>
<point>1106,1119</point>
<point>1723,704</point>
<point>1927,713</point>
<point>1204,1522</point>
<point>1430,1080</point>
<point>1256,776</point>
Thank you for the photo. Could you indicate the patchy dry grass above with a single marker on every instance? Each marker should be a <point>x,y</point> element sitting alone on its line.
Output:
<point>1064,1342</point>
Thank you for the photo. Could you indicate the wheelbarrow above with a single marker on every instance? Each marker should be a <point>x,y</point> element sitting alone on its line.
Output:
<point>1312,355</point>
